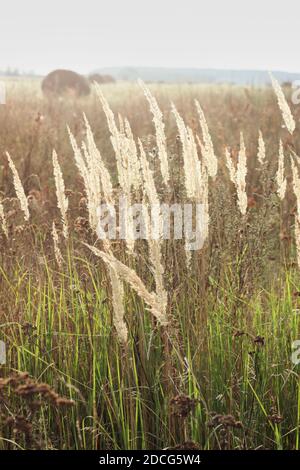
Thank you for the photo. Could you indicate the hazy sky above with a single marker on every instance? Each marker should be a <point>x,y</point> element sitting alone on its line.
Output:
<point>84,35</point>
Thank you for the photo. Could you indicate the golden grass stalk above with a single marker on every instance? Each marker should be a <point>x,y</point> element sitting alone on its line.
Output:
<point>154,229</point>
<point>280,178</point>
<point>129,275</point>
<point>297,239</point>
<point>230,166</point>
<point>205,202</point>
<point>119,143</point>
<point>97,165</point>
<point>128,224</point>
<point>196,176</point>
<point>134,162</point>
<point>283,105</point>
<point>79,160</point>
<point>19,188</point>
<point>191,162</point>
<point>57,252</point>
<point>90,178</point>
<point>207,149</point>
<point>159,132</point>
<point>128,165</point>
<point>296,189</point>
<point>121,123</point>
<point>241,173</point>
<point>3,220</point>
<point>148,179</point>
<point>202,224</point>
<point>155,256</point>
<point>296,184</point>
<point>118,305</point>
<point>96,176</point>
<point>62,200</point>
<point>261,153</point>
<point>93,171</point>
<point>101,174</point>
<point>238,175</point>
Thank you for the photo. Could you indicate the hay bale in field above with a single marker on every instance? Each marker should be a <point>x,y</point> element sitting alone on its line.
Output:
<point>96,77</point>
<point>65,82</point>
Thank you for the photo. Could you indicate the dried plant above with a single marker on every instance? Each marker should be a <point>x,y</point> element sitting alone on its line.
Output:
<point>157,307</point>
<point>156,258</point>
<point>192,165</point>
<point>296,188</point>
<point>283,105</point>
<point>19,188</point>
<point>66,322</point>
<point>90,176</point>
<point>3,220</point>
<point>159,132</point>
<point>196,177</point>
<point>207,149</point>
<point>134,162</point>
<point>128,164</point>
<point>62,200</point>
<point>297,239</point>
<point>280,178</point>
<point>57,252</point>
<point>241,172</point>
<point>296,183</point>
<point>238,174</point>
<point>118,305</point>
<point>261,153</point>
<point>96,164</point>
<point>120,145</point>
<point>230,166</point>
<point>149,183</point>
<point>205,201</point>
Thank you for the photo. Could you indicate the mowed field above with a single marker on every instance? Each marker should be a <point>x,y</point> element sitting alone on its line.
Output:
<point>143,344</point>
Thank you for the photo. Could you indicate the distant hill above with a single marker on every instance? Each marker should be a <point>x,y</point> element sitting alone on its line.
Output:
<point>191,75</point>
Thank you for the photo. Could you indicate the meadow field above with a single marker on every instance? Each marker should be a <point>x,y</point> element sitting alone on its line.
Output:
<point>145,344</point>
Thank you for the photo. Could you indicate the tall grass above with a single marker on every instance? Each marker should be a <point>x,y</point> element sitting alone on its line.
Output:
<point>144,344</point>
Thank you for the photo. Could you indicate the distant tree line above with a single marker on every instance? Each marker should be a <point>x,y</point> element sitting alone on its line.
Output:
<point>10,72</point>
<point>15,72</point>
<point>97,77</point>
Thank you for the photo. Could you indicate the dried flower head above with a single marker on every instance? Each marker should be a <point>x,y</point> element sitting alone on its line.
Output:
<point>62,200</point>
<point>157,308</point>
<point>3,220</point>
<point>283,105</point>
<point>280,178</point>
<point>261,154</point>
<point>159,131</point>
<point>207,149</point>
<point>19,188</point>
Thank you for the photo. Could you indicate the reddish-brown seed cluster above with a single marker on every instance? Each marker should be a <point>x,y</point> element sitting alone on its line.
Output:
<point>182,405</point>
<point>188,445</point>
<point>25,387</point>
<point>226,421</point>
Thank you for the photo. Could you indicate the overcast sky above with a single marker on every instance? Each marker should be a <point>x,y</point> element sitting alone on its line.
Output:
<point>42,35</point>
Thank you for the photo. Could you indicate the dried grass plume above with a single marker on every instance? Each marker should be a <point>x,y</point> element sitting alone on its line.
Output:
<point>19,188</point>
